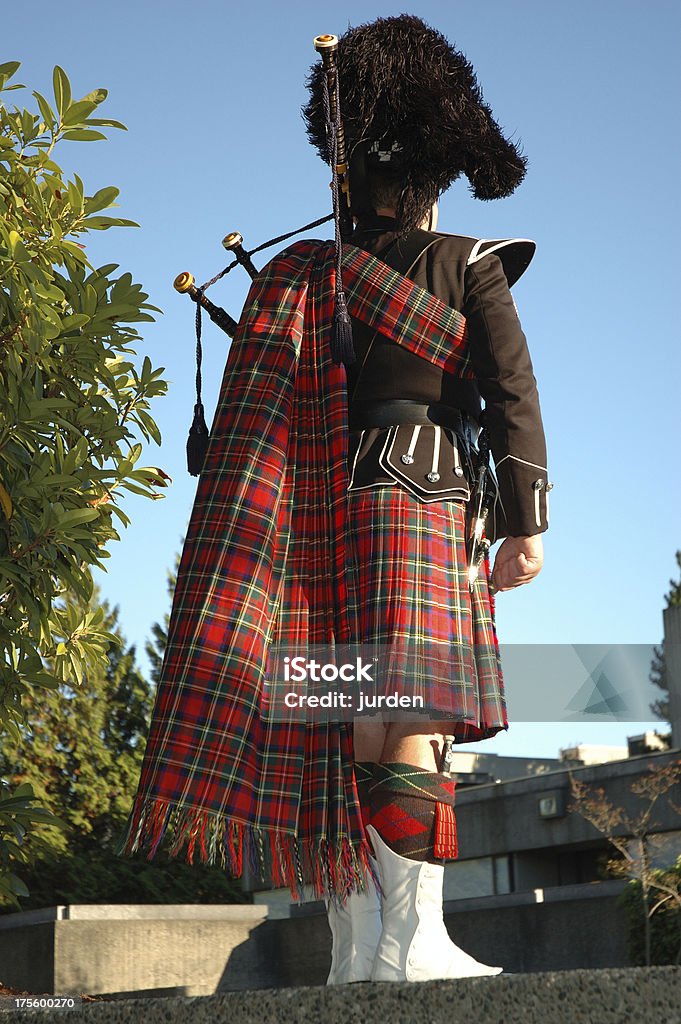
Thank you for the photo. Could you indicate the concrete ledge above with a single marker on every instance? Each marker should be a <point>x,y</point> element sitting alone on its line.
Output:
<point>137,912</point>
<point>609,889</point>
<point>631,995</point>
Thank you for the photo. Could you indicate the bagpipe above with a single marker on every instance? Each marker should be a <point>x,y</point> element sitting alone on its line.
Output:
<point>341,339</point>
<point>341,332</point>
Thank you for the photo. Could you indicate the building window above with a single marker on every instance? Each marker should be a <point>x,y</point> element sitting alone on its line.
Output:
<point>479,876</point>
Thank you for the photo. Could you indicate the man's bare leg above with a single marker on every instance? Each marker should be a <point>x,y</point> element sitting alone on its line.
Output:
<point>369,734</point>
<point>418,743</point>
<point>414,743</point>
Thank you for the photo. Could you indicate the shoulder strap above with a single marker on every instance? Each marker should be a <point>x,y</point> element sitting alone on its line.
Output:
<point>405,313</point>
<point>401,254</point>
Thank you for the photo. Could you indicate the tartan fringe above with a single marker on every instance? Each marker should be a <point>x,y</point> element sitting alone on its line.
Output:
<point>334,868</point>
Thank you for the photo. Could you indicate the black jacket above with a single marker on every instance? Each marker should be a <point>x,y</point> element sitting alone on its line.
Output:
<point>473,277</point>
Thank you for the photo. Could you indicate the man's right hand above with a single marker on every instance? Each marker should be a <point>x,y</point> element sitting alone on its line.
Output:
<point>518,561</point>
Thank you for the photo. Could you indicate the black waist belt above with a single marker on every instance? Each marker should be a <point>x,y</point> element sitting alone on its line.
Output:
<point>404,410</point>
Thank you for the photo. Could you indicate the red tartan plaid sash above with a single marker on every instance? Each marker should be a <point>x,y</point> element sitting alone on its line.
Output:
<point>265,560</point>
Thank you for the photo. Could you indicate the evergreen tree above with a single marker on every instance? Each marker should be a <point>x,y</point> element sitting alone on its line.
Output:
<point>77,748</point>
<point>155,649</point>
<point>81,751</point>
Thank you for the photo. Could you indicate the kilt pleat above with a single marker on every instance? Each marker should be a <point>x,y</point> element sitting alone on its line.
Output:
<point>411,599</point>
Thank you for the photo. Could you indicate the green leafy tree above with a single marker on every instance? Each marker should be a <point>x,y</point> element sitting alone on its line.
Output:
<point>71,399</point>
<point>658,668</point>
<point>70,396</point>
<point>19,819</point>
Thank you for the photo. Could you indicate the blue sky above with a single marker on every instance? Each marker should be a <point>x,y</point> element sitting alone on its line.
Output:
<point>212,98</point>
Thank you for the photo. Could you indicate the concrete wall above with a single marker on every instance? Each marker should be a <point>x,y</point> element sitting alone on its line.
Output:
<point>567,927</point>
<point>195,950</point>
<point>504,817</point>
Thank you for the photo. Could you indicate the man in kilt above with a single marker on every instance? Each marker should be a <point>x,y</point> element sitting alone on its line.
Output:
<point>414,121</point>
<point>336,504</point>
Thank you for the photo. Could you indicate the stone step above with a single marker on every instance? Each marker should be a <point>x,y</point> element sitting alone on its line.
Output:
<point>635,995</point>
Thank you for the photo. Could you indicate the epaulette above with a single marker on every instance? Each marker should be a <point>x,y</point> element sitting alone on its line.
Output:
<point>515,255</point>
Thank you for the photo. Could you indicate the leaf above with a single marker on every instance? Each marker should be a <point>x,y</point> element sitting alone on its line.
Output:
<point>138,490</point>
<point>78,515</point>
<point>28,126</point>
<point>45,110</point>
<point>40,814</point>
<point>83,135</point>
<point>75,197</point>
<point>16,828</point>
<point>102,223</point>
<point>41,406</point>
<point>51,315</point>
<point>17,885</point>
<point>7,894</point>
<point>72,322</point>
<point>106,122</point>
<point>102,199</point>
<point>77,666</point>
<point>89,300</point>
<point>151,426</point>
<point>97,96</point>
<point>16,572</point>
<point>9,68</point>
<point>17,249</point>
<point>62,90</point>
<point>46,680</point>
<point>119,513</point>
<point>74,250</point>
<point>24,790</point>
<point>78,112</point>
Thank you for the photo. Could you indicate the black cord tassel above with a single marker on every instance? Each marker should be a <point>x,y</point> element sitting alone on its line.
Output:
<point>197,442</point>
<point>342,348</point>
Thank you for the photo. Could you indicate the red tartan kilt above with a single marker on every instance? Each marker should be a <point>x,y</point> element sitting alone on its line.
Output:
<point>410,594</point>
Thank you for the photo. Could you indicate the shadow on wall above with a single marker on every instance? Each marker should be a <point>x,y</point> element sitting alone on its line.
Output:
<point>281,954</point>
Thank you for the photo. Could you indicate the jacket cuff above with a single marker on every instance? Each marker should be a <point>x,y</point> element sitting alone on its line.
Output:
<point>524,489</point>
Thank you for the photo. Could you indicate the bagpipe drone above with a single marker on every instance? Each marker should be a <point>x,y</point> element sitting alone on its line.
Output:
<point>341,341</point>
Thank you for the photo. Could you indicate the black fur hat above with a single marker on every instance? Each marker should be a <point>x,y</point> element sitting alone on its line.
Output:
<point>404,85</point>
